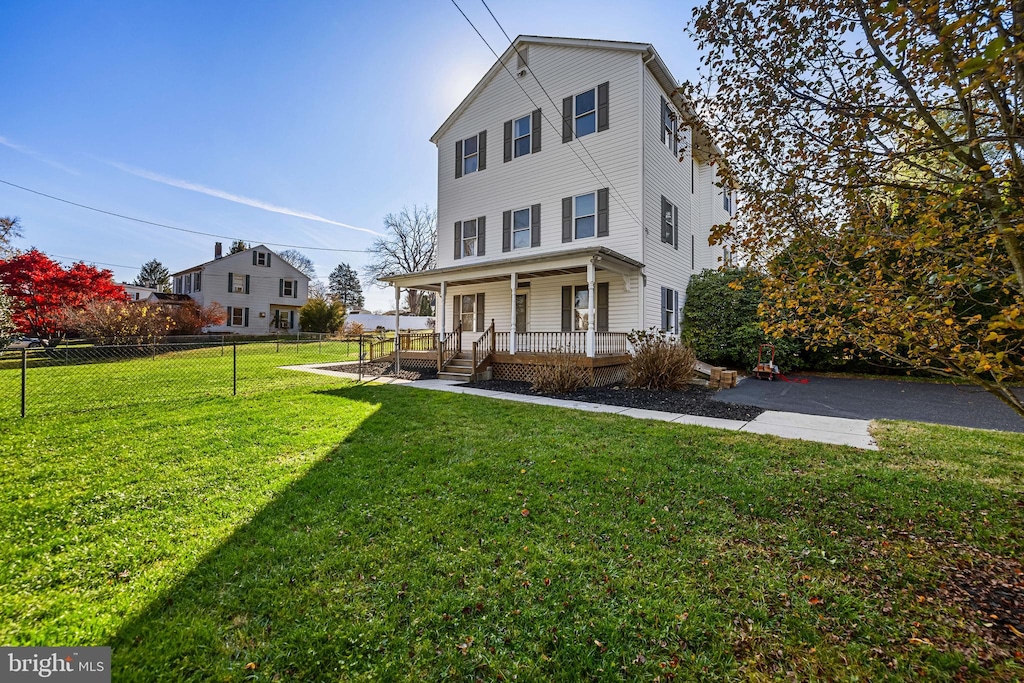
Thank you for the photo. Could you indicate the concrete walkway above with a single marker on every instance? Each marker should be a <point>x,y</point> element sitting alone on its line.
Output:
<point>833,430</point>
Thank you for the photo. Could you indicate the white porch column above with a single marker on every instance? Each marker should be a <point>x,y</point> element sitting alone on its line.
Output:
<point>442,312</point>
<point>592,309</point>
<point>398,339</point>
<point>512,326</point>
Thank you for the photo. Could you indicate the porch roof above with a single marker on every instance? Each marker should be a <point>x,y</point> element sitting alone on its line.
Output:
<point>526,267</point>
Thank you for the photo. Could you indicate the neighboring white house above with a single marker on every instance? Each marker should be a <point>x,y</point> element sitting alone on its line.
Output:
<point>260,291</point>
<point>586,217</point>
<point>138,292</point>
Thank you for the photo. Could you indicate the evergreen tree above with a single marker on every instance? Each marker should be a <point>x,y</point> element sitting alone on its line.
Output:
<point>237,246</point>
<point>153,274</point>
<point>345,287</point>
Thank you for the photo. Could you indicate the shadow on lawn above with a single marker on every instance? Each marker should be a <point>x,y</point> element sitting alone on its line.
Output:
<point>414,553</point>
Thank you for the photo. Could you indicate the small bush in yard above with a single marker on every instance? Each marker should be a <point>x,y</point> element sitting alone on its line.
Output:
<point>659,361</point>
<point>563,376</point>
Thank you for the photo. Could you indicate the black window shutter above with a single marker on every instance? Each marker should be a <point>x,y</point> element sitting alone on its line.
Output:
<point>692,171</point>
<point>295,289</point>
<point>230,309</point>
<point>482,150</point>
<point>602,306</point>
<point>602,106</point>
<point>675,309</point>
<point>602,212</point>
<point>458,159</point>
<point>566,119</point>
<point>666,226</point>
<point>291,319</point>
<point>280,287</point>
<point>254,257</point>
<point>675,138</point>
<point>567,309</point>
<point>231,283</point>
<point>535,132</point>
<point>480,312</point>
<point>481,235</point>
<point>535,225</point>
<point>506,231</point>
<point>456,312</point>
<point>693,252</point>
<point>246,284</point>
<point>277,319</point>
<point>245,317</point>
<point>675,227</point>
<point>268,259</point>
<point>664,306</point>
<point>507,147</point>
<point>458,240</point>
<point>664,116</point>
<point>567,219</point>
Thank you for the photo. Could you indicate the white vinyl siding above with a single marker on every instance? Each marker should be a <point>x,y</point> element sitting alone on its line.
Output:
<point>556,172</point>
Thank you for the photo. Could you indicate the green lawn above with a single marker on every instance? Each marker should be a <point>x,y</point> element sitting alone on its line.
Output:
<point>323,530</point>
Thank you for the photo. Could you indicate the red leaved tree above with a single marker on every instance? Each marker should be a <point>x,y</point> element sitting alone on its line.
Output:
<point>42,290</point>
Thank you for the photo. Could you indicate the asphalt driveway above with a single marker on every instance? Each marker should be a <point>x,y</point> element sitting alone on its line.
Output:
<point>869,399</point>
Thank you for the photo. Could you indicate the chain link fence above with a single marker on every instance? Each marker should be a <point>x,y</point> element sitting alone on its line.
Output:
<point>91,375</point>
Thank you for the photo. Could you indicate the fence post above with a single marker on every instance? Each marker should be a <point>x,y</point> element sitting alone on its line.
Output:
<point>360,358</point>
<point>234,368</point>
<point>24,371</point>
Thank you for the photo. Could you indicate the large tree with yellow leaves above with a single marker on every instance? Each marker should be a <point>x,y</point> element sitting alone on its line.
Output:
<point>878,147</point>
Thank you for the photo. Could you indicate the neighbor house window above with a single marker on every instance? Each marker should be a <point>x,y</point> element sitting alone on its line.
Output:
<point>585,215</point>
<point>236,317</point>
<point>467,301</point>
<point>282,319</point>
<point>197,280</point>
<point>581,308</point>
<point>288,289</point>
<point>237,284</point>
<point>178,287</point>
<point>470,155</point>
<point>727,200</point>
<point>521,229</point>
<point>521,136</point>
<point>469,238</point>
<point>585,111</point>
<point>261,258</point>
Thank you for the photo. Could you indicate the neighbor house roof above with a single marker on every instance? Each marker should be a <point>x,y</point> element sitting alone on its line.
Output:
<point>170,298</point>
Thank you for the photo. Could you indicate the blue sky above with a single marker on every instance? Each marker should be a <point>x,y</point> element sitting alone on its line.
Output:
<point>273,122</point>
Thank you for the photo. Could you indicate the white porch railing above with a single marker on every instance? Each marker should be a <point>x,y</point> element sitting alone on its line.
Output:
<point>606,343</point>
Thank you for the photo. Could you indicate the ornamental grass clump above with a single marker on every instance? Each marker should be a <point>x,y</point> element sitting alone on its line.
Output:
<point>660,361</point>
<point>562,376</point>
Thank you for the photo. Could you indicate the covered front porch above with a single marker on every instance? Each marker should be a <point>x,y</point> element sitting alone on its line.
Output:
<point>511,315</point>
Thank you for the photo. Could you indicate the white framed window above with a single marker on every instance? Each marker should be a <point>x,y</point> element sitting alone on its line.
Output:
<point>178,286</point>
<point>282,319</point>
<point>467,303</point>
<point>521,222</point>
<point>237,319</point>
<point>585,113</point>
<point>521,134</point>
<point>670,130</point>
<point>585,215</point>
<point>197,281</point>
<point>670,310</point>
<point>470,155</point>
<point>727,200</point>
<point>469,238</point>
<point>188,283</point>
<point>237,283</point>
<point>261,258</point>
<point>581,308</point>
<point>289,288</point>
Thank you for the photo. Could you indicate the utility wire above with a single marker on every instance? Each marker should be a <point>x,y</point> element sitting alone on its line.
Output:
<point>617,196</point>
<point>555,106</point>
<point>172,227</point>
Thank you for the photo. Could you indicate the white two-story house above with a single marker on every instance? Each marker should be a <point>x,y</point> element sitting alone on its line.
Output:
<point>260,291</point>
<point>572,208</point>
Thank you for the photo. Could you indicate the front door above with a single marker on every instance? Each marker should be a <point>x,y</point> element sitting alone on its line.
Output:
<point>522,313</point>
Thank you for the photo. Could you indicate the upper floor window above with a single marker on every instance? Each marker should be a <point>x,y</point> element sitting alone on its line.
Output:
<point>237,284</point>
<point>197,281</point>
<point>669,223</point>
<point>470,160</point>
<point>469,238</point>
<point>668,127</point>
<point>521,229</point>
<point>288,288</point>
<point>521,136</point>
<point>585,215</point>
<point>727,200</point>
<point>261,258</point>
<point>585,113</point>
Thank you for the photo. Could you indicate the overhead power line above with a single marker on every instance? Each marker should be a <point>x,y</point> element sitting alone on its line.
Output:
<point>174,227</point>
<point>614,191</point>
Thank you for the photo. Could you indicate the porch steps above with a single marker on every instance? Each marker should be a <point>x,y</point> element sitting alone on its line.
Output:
<point>459,368</point>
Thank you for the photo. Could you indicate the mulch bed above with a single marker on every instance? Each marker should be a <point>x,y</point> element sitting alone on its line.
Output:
<point>693,400</point>
<point>371,370</point>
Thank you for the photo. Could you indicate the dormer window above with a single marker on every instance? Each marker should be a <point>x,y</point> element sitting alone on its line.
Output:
<point>261,258</point>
